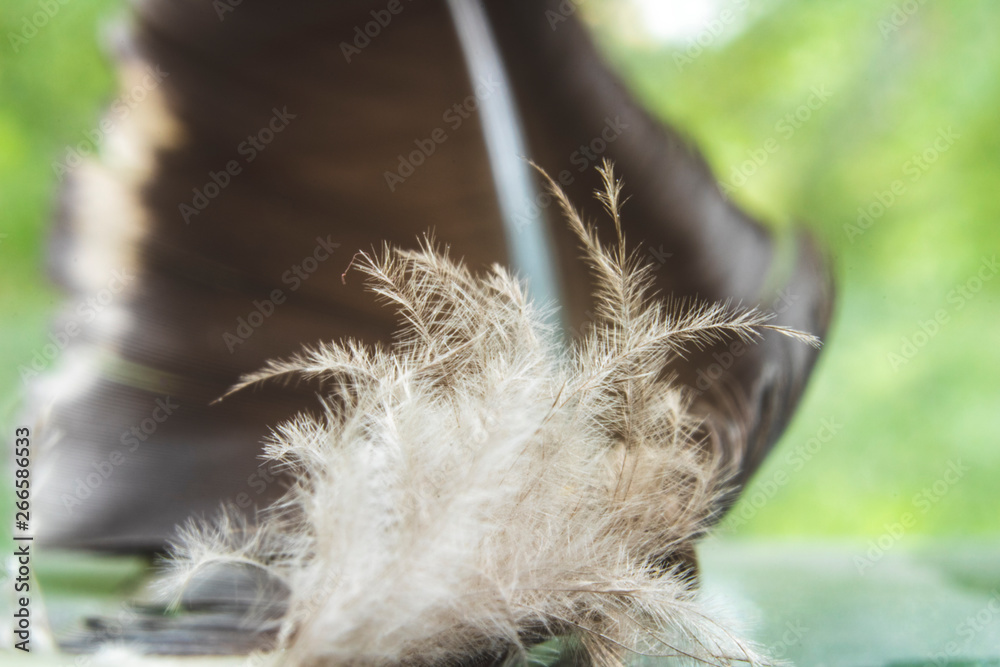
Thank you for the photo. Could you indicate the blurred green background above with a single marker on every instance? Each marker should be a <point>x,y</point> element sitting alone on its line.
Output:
<point>897,171</point>
<point>811,112</point>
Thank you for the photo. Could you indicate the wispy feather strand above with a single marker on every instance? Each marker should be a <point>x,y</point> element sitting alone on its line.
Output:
<point>475,486</point>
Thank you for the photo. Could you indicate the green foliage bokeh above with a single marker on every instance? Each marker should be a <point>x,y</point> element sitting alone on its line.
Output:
<point>908,405</point>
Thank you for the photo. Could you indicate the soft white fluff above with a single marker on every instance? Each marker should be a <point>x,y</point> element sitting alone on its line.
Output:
<point>478,484</point>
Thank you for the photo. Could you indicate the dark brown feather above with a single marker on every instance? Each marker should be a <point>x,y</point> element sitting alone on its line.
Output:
<point>324,176</point>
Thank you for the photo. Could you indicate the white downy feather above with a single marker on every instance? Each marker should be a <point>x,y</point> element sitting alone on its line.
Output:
<point>477,484</point>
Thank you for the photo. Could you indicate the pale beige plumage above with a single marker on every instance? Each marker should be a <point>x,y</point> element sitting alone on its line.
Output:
<point>478,483</point>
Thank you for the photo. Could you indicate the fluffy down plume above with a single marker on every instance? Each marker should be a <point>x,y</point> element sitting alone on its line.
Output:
<point>478,486</point>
